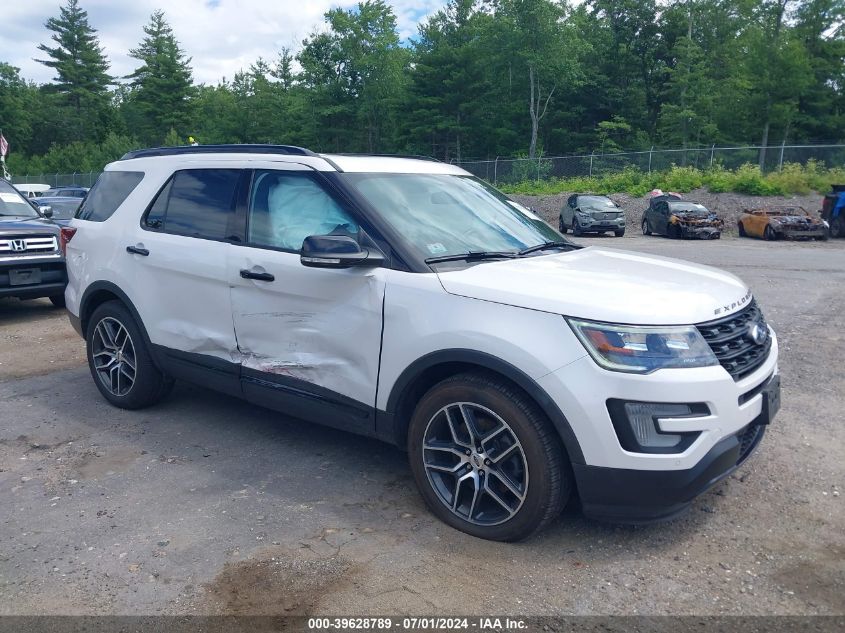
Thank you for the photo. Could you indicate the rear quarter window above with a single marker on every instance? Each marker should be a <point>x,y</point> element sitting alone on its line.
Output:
<point>107,194</point>
<point>196,203</point>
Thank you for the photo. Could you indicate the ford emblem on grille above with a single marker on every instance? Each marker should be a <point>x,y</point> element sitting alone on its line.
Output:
<point>757,333</point>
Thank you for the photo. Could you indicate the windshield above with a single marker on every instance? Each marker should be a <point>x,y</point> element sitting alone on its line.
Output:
<point>13,203</point>
<point>596,202</point>
<point>442,215</point>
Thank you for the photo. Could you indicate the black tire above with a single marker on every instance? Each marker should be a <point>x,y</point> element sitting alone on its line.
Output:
<point>646,229</point>
<point>741,230</point>
<point>561,225</point>
<point>837,227</point>
<point>674,232</point>
<point>576,228</point>
<point>545,492</point>
<point>619,233</point>
<point>769,234</point>
<point>58,301</point>
<point>149,385</point>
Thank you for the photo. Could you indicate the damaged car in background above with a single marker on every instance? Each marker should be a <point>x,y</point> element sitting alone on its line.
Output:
<point>773,223</point>
<point>592,214</point>
<point>670,215</point>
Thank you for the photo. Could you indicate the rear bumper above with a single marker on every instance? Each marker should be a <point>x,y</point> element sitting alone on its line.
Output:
<point>643,496</point>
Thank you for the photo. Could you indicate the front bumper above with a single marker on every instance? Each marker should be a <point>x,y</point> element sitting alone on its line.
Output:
<point>53,276</point>
<point>594,225</point>
<point>621,484</point>
<point>701,232</point>
<point>798,233</point>
<point>642,496</point>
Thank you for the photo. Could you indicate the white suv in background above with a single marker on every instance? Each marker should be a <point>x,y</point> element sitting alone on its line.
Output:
<point>406,300</point>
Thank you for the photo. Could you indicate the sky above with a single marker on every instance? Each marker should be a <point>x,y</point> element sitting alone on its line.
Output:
<point>222,36</point>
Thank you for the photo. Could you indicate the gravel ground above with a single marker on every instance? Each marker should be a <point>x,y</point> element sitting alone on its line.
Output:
<point>729,206</point>
<point>207,505</point>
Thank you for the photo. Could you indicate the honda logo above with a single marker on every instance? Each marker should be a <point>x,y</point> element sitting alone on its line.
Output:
<point>18,245</point>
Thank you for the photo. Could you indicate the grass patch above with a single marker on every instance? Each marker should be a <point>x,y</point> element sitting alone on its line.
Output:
<point>748,179</point>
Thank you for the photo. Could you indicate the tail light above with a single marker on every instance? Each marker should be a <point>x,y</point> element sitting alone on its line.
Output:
<point>67,235</point>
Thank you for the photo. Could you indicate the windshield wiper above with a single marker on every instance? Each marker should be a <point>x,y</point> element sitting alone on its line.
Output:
<point>472,256</point>
<point>547,245</point>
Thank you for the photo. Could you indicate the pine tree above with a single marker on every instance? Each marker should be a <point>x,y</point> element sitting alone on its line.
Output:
<point>162,85</point>
<point>82,78</point>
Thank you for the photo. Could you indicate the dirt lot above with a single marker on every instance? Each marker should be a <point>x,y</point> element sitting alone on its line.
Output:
<point>208,505</point>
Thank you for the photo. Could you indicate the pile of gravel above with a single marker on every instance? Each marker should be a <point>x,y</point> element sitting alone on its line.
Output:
<point>729,206</point>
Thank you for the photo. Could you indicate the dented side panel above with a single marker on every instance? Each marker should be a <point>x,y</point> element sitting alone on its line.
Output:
<point>186,293</point>
<point>318,325</point>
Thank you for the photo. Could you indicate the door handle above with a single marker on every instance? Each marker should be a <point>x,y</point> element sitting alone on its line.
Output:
<point>137,250</point>
<point>250,274</point>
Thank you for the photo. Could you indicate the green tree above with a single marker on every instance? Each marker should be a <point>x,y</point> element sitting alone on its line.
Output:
<point>355,71</point>
<point>17,101</point>
<point>162,86</point>
<point>82,78</point>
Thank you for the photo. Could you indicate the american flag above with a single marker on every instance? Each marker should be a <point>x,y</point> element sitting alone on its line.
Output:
<point>4,146</point>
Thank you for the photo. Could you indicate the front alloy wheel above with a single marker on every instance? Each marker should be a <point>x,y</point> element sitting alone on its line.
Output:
<point>473,440</point>
<point>475,463</point>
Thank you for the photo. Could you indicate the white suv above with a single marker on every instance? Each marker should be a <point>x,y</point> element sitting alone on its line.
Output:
<point>406,300</point>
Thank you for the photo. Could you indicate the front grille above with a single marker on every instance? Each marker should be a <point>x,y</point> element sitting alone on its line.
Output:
<point>730,341</point>
<point>26,244</point>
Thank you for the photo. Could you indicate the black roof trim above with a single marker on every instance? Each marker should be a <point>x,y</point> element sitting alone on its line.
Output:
<point>286,150</point>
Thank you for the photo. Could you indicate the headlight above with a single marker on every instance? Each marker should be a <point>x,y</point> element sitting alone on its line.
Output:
<point>642,350</point>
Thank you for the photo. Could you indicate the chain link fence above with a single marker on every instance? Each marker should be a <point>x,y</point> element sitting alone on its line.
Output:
<point>515,170</point>
<point>79,179</point>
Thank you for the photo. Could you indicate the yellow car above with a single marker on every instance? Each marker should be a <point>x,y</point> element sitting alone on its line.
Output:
<point>773,223</point>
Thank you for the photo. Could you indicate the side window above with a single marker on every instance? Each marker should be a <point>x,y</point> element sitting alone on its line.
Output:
<point>195,202</point>
<point>107,194</point>
<point>287,207</point>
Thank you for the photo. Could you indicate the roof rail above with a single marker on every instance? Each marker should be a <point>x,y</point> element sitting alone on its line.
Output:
<point>289,150</point>
<point>415,156</point>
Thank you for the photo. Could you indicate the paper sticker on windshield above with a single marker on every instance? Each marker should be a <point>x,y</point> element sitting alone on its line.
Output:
<point>10,197</point>
<point>524,210</point>
<point>436,248</point>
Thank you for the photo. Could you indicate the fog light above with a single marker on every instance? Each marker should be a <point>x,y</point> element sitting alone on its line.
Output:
<point>637,425</point>
<point>643,418</point>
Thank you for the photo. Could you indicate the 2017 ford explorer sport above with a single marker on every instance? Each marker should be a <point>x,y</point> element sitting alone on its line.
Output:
<point>406,300</point>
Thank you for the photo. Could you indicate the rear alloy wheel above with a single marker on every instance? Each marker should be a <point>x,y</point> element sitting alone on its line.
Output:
<point>770,234</point>
<point>486,460</point>
<point>120,363</point>
<point>646,230</point>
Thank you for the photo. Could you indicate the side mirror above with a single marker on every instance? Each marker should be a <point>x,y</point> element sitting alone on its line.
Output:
<point>337,251</point>
<point>45,210</point>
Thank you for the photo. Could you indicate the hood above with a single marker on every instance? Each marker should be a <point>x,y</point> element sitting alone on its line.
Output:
<point>24,224</point>
<point>605,284</point>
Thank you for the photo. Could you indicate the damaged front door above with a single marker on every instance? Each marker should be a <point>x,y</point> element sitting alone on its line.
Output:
<point>309,338</point>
